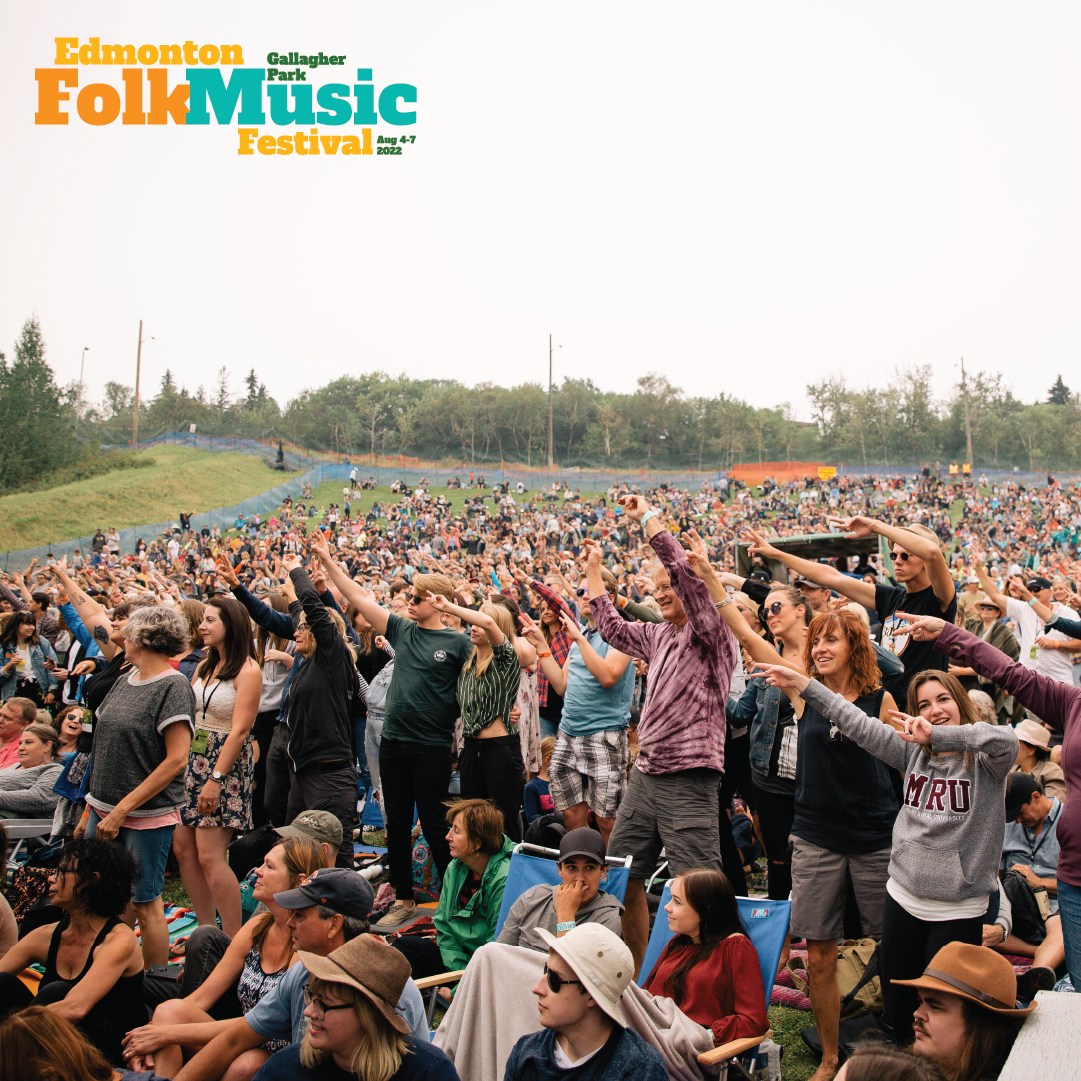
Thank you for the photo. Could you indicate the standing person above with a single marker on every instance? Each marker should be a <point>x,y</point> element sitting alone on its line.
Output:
<point>948,834</point>
<point>925,586</point>
<point>589,765</point>
<point>418,732</point>
<point>27,661</point>
<point>490,763</point>
<point>1059,704</point>
<point>323,767</point>
<point>672,798</point>
<point>218,784</point>
<point>142,738</point>
<point>275,656</point>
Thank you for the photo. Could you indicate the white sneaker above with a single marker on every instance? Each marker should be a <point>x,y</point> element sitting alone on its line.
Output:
<point>400,912</point>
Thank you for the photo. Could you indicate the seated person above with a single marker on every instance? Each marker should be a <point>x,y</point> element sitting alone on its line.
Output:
<point>584,1027</point>
<point>326,913</point>
<point>710,968</point>
<point>577,899</point>
<point>875,1060</point>
<point>968,1037</point>
<point>1031,848</point>
<point>537,794</point>
<point>93,964</point>
<point>26,790</point>
<point>250,966</point>
<point>1034,756</point>
<point>354,1027</point>
<point>472,890</point>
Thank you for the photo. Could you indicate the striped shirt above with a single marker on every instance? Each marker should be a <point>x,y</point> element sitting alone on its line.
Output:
<point>487,697</point>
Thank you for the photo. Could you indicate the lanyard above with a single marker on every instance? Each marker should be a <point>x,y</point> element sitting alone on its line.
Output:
<point>207,701</point>
<point>1048,826</point>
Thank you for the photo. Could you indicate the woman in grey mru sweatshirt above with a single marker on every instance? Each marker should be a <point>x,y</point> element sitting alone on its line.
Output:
<point>947,840</point>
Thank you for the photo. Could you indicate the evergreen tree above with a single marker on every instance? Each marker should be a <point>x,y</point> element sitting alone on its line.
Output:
<point>1059,394</point>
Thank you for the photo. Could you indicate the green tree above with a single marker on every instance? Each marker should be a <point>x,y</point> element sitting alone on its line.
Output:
<point>1059,394</point>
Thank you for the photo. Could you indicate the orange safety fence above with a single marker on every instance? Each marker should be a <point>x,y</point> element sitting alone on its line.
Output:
<point>756,472</point>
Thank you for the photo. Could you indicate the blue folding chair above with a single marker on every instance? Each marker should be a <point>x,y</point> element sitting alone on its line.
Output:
<point>530,865</point>
<point>766,925</point>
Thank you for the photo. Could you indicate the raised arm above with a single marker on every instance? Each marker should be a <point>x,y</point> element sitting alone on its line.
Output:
<point>987,583</point>
<point>469,615</point>
<point>94,617</point>
<point>271,620</point>
<point>855,589</point>
<point>353,592</point>
<point>607,670</point>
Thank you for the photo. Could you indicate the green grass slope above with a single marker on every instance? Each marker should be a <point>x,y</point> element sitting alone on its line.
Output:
<point>179,478</point>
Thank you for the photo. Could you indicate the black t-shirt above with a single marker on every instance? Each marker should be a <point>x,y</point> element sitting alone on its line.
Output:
<point>915,656</point>
<point>845,797</point>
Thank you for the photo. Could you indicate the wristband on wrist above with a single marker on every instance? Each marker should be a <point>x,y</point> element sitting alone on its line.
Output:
<point>721,604</point>
<point>646,517</point>
<point>569,925</point>
<point>546,653</point>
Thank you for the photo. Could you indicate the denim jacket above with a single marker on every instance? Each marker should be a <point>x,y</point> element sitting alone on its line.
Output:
<point>760,704</point>
<point>39,652</point>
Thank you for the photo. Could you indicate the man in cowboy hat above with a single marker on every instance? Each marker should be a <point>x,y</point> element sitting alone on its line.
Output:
<point>585,1028</point>
<point>967,1018</point>
<point>329,916</point>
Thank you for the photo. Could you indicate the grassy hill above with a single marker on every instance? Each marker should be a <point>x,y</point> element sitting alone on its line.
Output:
<point>177,478</point>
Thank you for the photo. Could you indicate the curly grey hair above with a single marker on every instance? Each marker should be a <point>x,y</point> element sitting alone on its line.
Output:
<point>158,628</point>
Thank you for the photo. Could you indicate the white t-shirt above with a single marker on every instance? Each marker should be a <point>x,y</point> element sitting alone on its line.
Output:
<point>1054,663</point>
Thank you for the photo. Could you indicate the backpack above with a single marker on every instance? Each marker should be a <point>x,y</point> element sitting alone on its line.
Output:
<point>1029,916</point>
<point>546,831</point>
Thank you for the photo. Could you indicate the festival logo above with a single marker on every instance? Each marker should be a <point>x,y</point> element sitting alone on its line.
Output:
<point>342,108</point>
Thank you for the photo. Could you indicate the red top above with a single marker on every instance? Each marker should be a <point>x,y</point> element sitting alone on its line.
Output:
<point>722,993</point>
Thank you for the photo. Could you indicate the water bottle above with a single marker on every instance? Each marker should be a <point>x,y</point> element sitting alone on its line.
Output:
<point>771,1052</point>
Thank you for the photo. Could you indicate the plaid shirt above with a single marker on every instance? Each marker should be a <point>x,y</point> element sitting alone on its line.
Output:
<point>560,644</point>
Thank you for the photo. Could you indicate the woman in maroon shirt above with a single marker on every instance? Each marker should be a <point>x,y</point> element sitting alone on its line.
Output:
<point>710,968</point>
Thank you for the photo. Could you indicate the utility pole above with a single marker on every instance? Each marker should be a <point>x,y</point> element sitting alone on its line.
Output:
<point>551,460</point>
<point>138,369</point>
<point>968,419</point>
<point>78,404</point>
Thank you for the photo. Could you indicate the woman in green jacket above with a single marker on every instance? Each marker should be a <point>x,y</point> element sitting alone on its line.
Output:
<point>472,890</point>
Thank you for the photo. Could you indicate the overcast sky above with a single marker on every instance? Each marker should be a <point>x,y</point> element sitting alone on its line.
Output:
<point>744,197</point>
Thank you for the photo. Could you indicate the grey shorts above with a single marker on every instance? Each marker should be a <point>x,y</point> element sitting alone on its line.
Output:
<point>590,769</point>
<point>674,811</point>
<point>819,889</point>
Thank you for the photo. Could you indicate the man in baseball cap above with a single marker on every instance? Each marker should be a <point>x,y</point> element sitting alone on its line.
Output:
<point>578,898</point>
<point>584,1026</point>
<point>319,826</point>
<point>967,1018</point>
<point>329,913</point>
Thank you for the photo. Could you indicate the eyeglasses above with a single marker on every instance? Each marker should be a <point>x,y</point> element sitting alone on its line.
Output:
<point>903,556</point>
<point>319,1008</point>
<point>556,982</point>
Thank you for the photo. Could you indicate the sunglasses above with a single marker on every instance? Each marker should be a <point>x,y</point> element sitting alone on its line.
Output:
<point>987,607</point>
<point>414,598</point>
<point>903,556</point>
<point>556,982</point>
<point>776,607</point>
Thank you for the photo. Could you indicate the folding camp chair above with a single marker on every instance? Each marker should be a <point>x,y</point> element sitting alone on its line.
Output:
<point>22,831</point>
<point>530,865</point>
<point>766,925</point>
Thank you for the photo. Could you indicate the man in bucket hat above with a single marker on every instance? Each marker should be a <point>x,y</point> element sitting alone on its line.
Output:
<point>349,1034</point>
<point>967,1018</point>
<point>329,913</point>
<point>585,1028</point>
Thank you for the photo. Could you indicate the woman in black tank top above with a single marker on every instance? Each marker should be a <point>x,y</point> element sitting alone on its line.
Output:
<point>93,964</point>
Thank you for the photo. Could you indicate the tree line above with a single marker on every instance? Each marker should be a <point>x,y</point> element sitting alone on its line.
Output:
<point>654,426</point>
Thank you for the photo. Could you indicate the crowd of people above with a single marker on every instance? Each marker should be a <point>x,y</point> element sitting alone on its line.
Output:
<point>590,673</point>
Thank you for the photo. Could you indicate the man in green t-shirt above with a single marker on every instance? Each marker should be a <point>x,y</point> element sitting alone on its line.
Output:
<point>418,734</point>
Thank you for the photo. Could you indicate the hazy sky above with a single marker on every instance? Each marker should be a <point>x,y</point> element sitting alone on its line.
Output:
<point>744,197</point>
